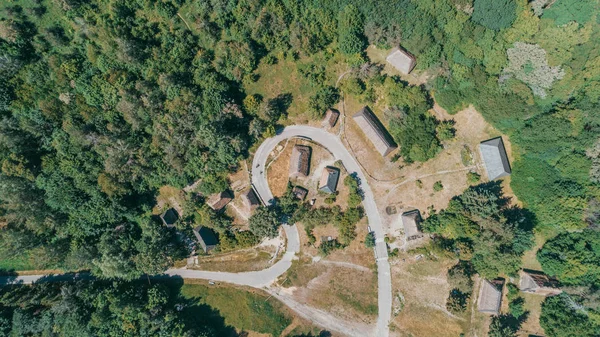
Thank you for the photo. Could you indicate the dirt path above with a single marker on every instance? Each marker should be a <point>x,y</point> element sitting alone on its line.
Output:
<point>346,265</point>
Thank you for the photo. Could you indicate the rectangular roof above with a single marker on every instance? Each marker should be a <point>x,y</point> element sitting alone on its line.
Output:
<point>375,131</point>
<point>410,221</point>
<point>494,158</point>
<point>206,237</point>
<point>331,117</point>
<point>490,296</point>
<point>299,192</point>
<point>401,60</point>
<point>251,198</point>
<point>219,200</point>
<point>329,179</point>
<point>300,161</point>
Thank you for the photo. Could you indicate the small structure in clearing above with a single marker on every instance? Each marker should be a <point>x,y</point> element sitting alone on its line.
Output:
<point>490,296</point>
<point>299,192</point>
<point>401,60</point>
<point>251,199</point>
<point>219,200</point>
<point>536,282</point>
<point>495,159</point>
<point>329,179</point>
<point>300,161</point>
<point>331,117</point>
<point>411,221</point>
<point>375,131</point>
<point>206,238</point>
<point>170,217</point>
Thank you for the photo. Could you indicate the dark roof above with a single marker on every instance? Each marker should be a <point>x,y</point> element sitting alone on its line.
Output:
<point>300,160</point>
<point>299,192</point>
<point>218,200</point>
<point>495,158</point>
<point>251,198</point>
<point>375,131</point>
<point>331,117</point>
<point>329,179</point>
<point>410,221</point>
<point>206,237</point>
<point>170,217</point>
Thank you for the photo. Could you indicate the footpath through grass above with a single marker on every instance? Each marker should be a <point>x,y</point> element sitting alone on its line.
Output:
<point>244,310</point>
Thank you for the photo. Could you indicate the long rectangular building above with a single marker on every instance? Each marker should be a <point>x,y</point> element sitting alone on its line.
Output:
<point>375,131</point>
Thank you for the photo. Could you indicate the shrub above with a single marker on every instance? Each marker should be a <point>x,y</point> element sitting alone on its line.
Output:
<point>370,240</point>
<point>473,177</point>
<point>438,186</point>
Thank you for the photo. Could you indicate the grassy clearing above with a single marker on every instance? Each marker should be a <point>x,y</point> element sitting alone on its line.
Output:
<point>244,310</point>
<point>284,78</point>
<point>18,262</point>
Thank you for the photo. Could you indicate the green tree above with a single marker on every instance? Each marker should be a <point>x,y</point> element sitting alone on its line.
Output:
<point>264,222</point>
<point>350,31</point>
<point>370,240</point>
<point>494,14</point>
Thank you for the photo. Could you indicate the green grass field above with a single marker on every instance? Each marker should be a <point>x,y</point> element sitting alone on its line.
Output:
<point>244,310</point>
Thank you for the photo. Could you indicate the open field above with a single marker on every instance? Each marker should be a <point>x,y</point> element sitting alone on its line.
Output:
<point>424,288</point>
<point>244,309</point>
<point>284,78</point>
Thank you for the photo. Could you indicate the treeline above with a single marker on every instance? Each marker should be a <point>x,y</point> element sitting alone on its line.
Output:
<point>99,308</point>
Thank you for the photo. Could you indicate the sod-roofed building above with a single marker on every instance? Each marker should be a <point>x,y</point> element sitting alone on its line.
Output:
<point>300,161</point>
<point>401,60</point>
<point>375,131</point>
<point>411,221</point>
<point>536,282</point>
<point>206,238</point>
<point>329,179</point>
<point>299,192</point>
<point>490,296</point>
<point>331,117</point>
<point>219,200</point>
<point>251,199</point>
<point>495,158</point>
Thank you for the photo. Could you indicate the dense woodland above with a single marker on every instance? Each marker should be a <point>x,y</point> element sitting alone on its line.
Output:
<point>104,102</point>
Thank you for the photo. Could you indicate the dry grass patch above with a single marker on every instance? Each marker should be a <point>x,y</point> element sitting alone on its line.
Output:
<point>278,172</point>
<point>169,196</point>
<point>533,304</point>
<point>424,287</point>
<point>237,261</point>
<point>347,293</point>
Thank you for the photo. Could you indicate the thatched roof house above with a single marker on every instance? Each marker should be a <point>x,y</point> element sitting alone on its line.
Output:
<point>219,200</point>
<point>375,131</point>
<point>401,60</point>
<point>411,221</point>
<point>300,161</point>
<point>206,238</point>
<point>494,157</point>
<point>251,199</point>
<point>299,192</point>
<point>536,282</point>
<point>170,217</point>
<point>329,179</point>
<point>490,296</point>
<point>331,117</point>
